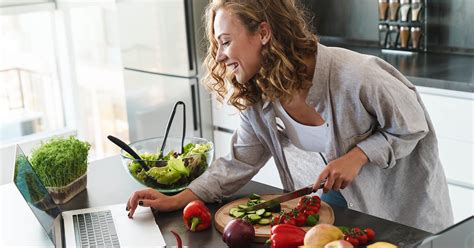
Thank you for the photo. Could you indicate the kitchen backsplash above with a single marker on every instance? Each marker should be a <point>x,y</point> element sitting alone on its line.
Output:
<point>450,26</point>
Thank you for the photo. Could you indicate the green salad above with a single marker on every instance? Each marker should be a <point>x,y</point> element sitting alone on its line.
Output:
<point>180,170</point>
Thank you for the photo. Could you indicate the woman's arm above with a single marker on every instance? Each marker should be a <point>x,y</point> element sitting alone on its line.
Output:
<point>341,171</point>
<point>161,202</point>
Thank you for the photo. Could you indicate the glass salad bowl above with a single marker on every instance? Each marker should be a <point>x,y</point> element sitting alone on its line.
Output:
<point>178,171</point>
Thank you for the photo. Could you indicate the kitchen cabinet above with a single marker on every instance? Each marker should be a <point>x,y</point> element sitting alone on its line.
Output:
<point>452,114</point>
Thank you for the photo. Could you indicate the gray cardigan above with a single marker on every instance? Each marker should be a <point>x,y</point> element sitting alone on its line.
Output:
<point>368,104</point>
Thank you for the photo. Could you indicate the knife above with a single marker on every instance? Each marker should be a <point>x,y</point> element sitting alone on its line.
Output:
<point>283,198</point>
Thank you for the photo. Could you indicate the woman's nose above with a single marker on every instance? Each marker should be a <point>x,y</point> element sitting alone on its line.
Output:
<point>220,56</point>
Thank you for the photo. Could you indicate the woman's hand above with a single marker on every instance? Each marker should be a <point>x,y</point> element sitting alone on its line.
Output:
<point>342,171</point>
<point>154,199</point>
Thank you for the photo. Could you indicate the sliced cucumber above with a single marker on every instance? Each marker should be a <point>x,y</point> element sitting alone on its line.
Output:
<point>247,218</point>
<point>264,221</point>
<point>254,196</point>
<point>254,217</point>
<point>232,210</point>
<point>276,208</point>
<point>260,211</point>
<point>238,214</point>
<point>242,206</point>
<point>267,214</point>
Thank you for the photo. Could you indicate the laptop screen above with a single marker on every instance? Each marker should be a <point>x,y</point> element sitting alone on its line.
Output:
<point>35,193</point>
<point>460,234</point>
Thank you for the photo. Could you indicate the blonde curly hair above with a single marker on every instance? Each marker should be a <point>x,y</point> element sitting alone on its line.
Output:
<point>283,69</point>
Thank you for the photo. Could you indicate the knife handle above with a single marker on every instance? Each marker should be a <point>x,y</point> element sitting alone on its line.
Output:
<point>320,186</point>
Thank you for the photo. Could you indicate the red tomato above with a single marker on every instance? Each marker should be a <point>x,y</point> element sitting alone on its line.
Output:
<point>356,230</point>
<point>352,240</point>
<point>291,221</point>
<point>299,206</point>
<point>310,211</point>
<point>362,238</point>
<point>275,220</point>
<point>370,234</point>
<point>300,219</point>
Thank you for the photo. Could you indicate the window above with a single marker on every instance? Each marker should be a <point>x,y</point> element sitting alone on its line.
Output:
<point>98,75</point>
<point>30,93</point>
<point>61,68</point>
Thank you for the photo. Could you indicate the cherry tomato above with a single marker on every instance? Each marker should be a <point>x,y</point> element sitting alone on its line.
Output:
<point>291,221</point>
<point>275,220</point>
<point>309,211</point>
<point>356,230</point>
<point>370,234</point>
<point>299,206</point>
<point>354,242</point>
<point>362,238</point>
<point>300,219</point>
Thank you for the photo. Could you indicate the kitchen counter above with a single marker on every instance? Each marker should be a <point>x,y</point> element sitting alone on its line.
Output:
<point>392,232</point>
<point>436,70</point>
<point>103,192</point>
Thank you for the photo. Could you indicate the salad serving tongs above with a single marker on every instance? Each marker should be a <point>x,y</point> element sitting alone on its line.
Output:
<point>167,131</point>
<point>130,151</point>
<point>160,162</point>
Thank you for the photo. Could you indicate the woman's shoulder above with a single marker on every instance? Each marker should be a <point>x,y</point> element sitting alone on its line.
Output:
<point>352,69</point>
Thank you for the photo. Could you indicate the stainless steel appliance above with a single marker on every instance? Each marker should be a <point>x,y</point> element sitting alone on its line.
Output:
<point>159,52</point>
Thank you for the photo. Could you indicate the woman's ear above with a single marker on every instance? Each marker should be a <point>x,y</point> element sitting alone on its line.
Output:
<point>265,33</point>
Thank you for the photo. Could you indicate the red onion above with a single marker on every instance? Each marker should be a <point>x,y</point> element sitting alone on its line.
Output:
<point>238,233</point>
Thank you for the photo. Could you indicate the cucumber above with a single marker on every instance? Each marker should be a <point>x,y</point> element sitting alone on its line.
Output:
<point>254,196</point>
<point>260,211</point>
<point>264,221</point>
<point>254,217</point>
<point>238,214</point>
<point>267,214</point>
<point>232,210</point>
<point>251,212</point>
<point>242,206</point>
<point>247,218</point>
<point>276,208</point>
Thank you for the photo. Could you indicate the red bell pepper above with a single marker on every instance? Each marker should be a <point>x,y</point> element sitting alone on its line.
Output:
<point>196,216</point>
<point>286,236</point>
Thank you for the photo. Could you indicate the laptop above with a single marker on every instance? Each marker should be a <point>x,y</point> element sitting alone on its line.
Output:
<point>459,235</point>
<point>107,226</point>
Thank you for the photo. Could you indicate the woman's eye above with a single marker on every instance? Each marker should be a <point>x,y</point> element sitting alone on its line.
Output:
<point>225,43</point>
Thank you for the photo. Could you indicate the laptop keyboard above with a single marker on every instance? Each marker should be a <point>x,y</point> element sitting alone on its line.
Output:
<point>95,229</point>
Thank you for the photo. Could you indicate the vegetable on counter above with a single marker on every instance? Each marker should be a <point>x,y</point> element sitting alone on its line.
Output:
<point>196,216</point>
<point>338,244</point>
<point>382,245</point>
<point>357,236</point>
<point>286,236</point>
<point>180,169</point>
<point>321,234</point>
<point>260,216</point>
<point>179,242</point>
<point>60,161</point>
<point>304,214</point>
<point>238,233</point>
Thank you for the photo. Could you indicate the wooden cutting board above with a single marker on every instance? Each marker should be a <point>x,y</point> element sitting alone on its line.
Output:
<point>262,233</point>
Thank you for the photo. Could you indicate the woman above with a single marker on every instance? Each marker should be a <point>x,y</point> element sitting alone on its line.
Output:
<point>363,116</point>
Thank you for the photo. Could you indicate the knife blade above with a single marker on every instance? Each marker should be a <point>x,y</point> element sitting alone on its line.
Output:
<point>283,198</point>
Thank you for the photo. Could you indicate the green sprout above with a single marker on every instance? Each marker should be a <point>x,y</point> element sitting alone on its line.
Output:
<point>60,161</point>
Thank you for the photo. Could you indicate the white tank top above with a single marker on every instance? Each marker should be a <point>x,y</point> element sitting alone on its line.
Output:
<point>309,138</point>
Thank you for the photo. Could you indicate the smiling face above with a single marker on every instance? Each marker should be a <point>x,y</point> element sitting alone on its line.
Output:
<point>239,49</point>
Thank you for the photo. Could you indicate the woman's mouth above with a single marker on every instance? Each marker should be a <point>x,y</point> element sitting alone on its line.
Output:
<point>233,67</point>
